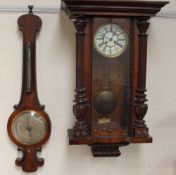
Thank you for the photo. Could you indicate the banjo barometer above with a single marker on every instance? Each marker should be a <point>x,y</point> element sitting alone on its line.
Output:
<point>111,54</point>
<point>29,125</point>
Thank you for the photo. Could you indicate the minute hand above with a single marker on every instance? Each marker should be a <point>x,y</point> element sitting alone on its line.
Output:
<point>112,36</point>
<point>119,44</point>
<point>119,34</point>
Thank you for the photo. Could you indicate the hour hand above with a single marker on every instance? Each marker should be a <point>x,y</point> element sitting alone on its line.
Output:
<point>101,44</point>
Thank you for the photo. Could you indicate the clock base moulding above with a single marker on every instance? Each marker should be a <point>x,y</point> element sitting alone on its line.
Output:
<point>106,147</point>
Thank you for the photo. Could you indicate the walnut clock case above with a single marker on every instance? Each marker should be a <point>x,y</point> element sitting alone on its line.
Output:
<point>111,54</point>
<point>29,125</point>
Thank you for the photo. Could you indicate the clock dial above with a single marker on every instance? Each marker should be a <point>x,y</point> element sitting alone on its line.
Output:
<point>29,128</point>
<point>111,40</point>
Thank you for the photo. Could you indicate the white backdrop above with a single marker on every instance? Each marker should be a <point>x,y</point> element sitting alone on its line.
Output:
<point>56,82</point>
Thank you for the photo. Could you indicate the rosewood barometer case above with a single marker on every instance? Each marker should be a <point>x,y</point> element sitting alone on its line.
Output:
<point>111,54</point>
<point>29,125</point>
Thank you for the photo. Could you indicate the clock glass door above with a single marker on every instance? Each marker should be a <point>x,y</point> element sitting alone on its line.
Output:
<point>111,82</point>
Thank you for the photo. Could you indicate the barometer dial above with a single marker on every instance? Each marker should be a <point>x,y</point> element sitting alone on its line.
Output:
<point>29,128</point>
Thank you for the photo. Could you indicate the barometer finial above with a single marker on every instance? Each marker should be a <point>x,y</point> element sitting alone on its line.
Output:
<point>30,7</point>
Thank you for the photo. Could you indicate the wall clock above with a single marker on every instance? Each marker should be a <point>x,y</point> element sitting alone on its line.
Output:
<point>111,53</point>
<point>29,125</point>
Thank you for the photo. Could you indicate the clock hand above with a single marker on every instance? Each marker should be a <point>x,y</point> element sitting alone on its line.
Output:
<point>112,37</point>
<point>119,44</point>
<point>106,37</point>
<point>119,34</point>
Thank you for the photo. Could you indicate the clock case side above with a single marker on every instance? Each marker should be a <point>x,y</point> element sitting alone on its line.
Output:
<point>80,134</point>
<point>138,132</point>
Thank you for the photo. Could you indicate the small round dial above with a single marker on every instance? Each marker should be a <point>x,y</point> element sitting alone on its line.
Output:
<point>29,128</point>
<point>111,40</point>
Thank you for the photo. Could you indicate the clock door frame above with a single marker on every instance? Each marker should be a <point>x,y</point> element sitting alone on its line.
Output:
<point>123,64</point>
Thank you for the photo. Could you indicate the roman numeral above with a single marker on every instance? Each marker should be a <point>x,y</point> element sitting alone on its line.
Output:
<point>120,45</point>
<point>111,27</point>
<point>101,44</point>
<point>99,39</point>
<point>115,29</point>
<point>110,51</point>
<point>118,30</point>
<point>104,49</point>
<point>121,39</point>
<point>100,35</point>
<point>105,29</point>
<point>102,31</point>
<point>119,34</point>
<point>108,28</point>
<point>116,49</point>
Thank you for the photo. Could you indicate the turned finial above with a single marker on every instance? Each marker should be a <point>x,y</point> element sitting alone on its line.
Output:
<point>30,7</point>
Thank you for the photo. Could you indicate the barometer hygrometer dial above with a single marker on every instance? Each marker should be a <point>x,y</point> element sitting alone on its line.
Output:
<point>29,125</point>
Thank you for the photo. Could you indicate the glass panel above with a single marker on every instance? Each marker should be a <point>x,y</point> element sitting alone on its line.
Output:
<point>29,127</point>
<point>111,89</point>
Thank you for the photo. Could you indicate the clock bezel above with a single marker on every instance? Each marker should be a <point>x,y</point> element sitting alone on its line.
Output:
<point>119,53</point>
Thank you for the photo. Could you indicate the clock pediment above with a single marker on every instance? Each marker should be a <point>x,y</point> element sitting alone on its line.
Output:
<point>112,7</point>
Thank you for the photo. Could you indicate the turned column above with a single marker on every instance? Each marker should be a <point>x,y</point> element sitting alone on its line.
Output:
<point>80,103</point>
<point>140,129</point>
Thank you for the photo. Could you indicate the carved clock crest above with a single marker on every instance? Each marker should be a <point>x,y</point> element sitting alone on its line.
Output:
<point>111,53</point>
<point>29,125</point>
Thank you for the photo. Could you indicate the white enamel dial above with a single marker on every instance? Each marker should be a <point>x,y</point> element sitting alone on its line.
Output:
<point>111,40</point>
